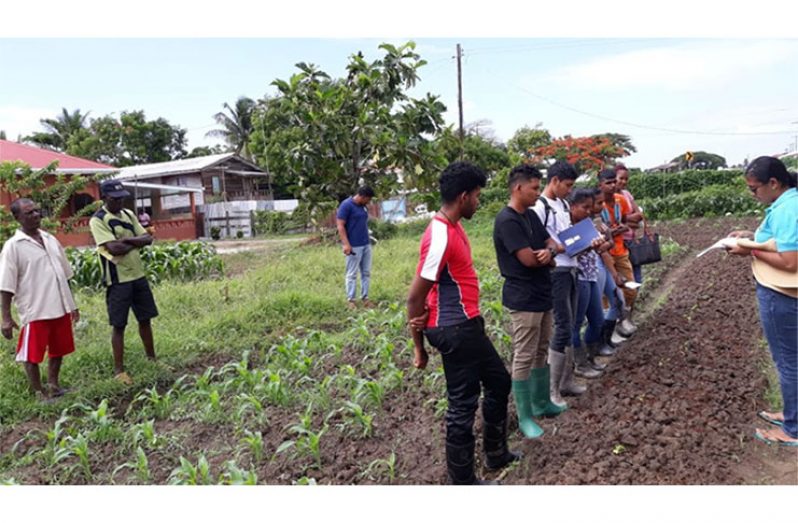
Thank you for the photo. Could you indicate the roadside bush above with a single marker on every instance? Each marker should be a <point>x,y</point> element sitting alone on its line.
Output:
<point>382,229</point>
<point>271,222</point>
<point>715,200</point>
<point>181,261</point>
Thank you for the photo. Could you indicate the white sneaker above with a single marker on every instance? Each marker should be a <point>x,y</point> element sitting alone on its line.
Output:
<point>628,326</point>
<point>616,339</point>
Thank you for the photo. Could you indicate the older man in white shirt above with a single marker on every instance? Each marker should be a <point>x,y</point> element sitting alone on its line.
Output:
<point>34,273</point>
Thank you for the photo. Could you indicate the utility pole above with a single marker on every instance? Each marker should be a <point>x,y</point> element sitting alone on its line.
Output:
<point>460,99</point>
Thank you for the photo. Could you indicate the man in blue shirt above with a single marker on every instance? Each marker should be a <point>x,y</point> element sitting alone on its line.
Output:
<point>352,221</point>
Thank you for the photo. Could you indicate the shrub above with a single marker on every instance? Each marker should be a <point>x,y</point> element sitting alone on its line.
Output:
<point>239,234</point>
<point>382,229</point>
<point>216,233</point>
<point>182,261</point>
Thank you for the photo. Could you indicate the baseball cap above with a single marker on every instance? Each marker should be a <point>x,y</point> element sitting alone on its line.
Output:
<point>114,189</point>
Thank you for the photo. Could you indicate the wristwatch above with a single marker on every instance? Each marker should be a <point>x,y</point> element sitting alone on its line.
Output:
<point>553,251</point>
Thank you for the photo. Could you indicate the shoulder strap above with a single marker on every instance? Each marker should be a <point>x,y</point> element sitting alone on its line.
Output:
<point>129,214</point>
<point>547,210</point>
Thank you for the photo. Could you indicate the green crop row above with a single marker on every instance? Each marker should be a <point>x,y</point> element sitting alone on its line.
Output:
<point>715,200</point>
<point>180,261</point>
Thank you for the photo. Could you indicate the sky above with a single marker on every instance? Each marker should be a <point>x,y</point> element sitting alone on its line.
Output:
<point>730,96</point>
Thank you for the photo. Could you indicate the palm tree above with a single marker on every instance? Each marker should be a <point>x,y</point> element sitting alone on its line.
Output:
<point>237,125</point>
<point>59,129</point>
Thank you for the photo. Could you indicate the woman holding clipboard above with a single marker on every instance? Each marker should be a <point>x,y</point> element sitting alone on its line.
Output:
<point>776,286</point>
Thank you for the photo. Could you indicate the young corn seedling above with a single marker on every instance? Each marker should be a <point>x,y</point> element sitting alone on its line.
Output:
<point>236,476</point>
<point>144,432</point>
<point>387,466</point>
<point>104,427</point>
<point>153,403</point>
<point>274,390</point>
<point>366,421</point>
<point>371,391</point>
<point>188,474</point>
<point>254,443</point>
<point>250,405</point>
<point>395,378</point>
<point>79,446</point>
<point>307,442</point>
<point>141,466</point>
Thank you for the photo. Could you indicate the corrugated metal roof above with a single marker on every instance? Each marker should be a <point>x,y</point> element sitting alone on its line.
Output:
<point>39,158</point>
<point>153,170</point>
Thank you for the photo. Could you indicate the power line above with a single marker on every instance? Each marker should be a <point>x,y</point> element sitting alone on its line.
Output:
<point>651,127</point>
<point>554,45</point>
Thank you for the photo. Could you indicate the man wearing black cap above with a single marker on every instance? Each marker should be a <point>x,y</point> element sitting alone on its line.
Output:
<point>119,236</point>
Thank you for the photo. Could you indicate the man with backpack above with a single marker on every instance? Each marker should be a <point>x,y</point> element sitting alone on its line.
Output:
<point>554,213</point>
<point>119,237</point>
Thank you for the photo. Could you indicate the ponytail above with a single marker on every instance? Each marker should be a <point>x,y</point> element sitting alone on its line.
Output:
<point>766,167</point>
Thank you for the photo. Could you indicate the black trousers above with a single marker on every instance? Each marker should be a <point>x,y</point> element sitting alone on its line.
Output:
<point>470,364</point>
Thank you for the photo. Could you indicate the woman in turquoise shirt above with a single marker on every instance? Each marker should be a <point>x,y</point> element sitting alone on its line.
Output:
<point>771,184</point>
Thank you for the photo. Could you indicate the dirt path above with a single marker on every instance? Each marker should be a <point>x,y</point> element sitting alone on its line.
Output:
<point>678,403</point>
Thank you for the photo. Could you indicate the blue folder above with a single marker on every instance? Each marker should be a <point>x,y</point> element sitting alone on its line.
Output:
<point>578,238</point>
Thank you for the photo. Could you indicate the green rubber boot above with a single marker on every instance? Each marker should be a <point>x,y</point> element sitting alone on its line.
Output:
<point>542,405</point>
<point>523,405</point>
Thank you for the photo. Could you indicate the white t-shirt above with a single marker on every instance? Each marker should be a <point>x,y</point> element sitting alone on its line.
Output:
<point>37,276</point>
<point>559,219</point>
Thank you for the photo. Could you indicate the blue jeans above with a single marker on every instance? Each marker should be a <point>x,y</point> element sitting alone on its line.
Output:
<point>588,305</point>
<point>779,316</point>
<point>360,259</point>
<point>563,292</point>
<point>610,290</point>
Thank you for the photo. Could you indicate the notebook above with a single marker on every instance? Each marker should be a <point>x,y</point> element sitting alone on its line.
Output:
<point>578,238</point>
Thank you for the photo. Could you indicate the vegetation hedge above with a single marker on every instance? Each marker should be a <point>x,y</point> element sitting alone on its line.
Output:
<point>656,185</point>
<point>715,200</point>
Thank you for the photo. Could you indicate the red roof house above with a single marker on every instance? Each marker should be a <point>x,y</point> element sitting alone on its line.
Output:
<point>167,227</point>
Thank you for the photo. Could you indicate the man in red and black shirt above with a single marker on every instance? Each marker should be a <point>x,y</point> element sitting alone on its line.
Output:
<point>447,285</point>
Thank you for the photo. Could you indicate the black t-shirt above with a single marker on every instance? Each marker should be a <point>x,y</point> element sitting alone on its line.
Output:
<point>525,288</point>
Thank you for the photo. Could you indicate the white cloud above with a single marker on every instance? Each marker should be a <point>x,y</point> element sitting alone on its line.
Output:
<point>692,66</point>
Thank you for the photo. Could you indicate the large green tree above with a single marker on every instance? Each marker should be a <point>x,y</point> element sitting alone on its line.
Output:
<point>60,130</point>
<point>236,125</point>
<point>323,136</point>
<point>478,149</point>
<point>525,139</point>
<point>205,150</point>
<point>129,140</point>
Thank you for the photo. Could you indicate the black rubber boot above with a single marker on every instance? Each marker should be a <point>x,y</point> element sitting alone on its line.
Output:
<point>607,348</point>
<point>460,464</point>
<point>494,442</point>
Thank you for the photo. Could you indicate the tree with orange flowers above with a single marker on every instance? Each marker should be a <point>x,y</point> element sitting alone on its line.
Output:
<point>587,154</point>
